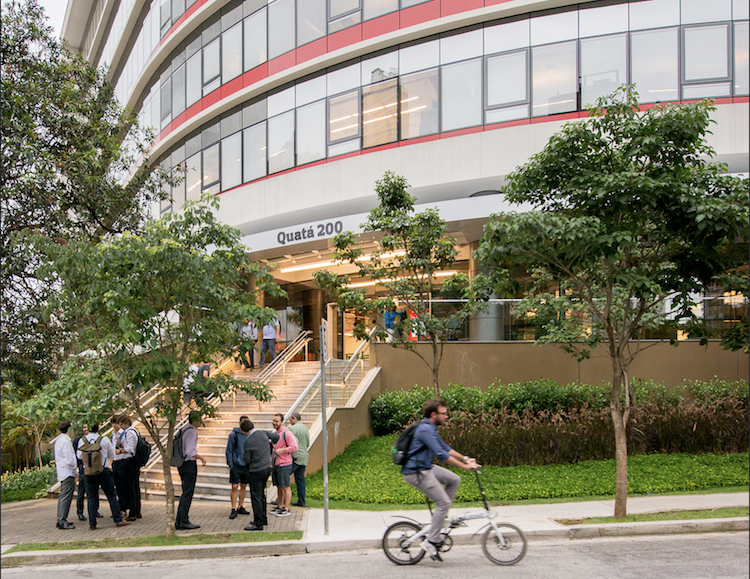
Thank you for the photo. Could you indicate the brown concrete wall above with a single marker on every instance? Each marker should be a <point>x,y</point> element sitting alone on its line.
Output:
<point>479,364</point>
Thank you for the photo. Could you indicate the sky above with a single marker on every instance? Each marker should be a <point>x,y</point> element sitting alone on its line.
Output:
<point>55,11</point>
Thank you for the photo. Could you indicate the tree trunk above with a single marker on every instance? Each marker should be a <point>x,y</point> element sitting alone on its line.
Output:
<point>619,421</point>
<point>169,487</point>
<point>435,368</point>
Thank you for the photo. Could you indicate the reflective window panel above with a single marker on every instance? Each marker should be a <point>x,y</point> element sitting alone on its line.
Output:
<point>379,114</point>
<point>604,65</point>
<point>231,161</point>
<point>706,52</point>
<point>461,102</point>
<point>654,14</point>
<point>741,59</point>
<point>193,178</point>
<point>281,37</point>
<point>210,166</point>
<point>694,11</point>
<point>654,66</point>
<point>194,86</point>
<point>554,79</point>
<point>231,53</point>
<point>375,8</point>
<point>554,28</point>
<point>254,152</point>
<point>311,132</point>
<point>603,20</point>
<point>507,79</point>
<point>419,104</point>
<point>343,115</point>
<point>506,37</point>
<point>311,21</point>
<point>419,57</point>
<point>255,40</point>
<point>461,46</point>
<point>281,142</point>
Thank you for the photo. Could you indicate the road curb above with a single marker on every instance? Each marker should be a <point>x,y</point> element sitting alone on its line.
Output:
<point>277,548</point>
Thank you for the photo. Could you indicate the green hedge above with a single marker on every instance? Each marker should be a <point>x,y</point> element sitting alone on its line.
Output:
<point>26,484</point>
<point>364,473</point>
<point>391,411</point>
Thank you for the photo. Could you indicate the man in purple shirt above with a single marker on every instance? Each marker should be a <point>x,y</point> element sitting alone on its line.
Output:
<point>188,472</point>
<point>437,483</point>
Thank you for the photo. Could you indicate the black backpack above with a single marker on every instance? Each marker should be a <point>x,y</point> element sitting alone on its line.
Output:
<point>400,449</point>
<point>142,451</point>
<point>178,458</point>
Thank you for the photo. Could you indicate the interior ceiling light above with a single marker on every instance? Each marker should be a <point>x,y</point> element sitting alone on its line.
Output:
<point>382,281</point>
<point>322,264</point>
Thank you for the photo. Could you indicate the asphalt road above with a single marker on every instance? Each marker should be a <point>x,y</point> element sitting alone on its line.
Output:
<point>705,556</point>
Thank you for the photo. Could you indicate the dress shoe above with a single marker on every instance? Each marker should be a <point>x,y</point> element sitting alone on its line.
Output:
<point>131,518</point>
<point>122,524</point>
<point>81,517</point>
<point>92,528</point>
<point>233,514</point>
<point>187,527</point>
<point>99,516</point>
<point>65,525</point>
<point>242,511</point>
<point>298,504</point>
<point>139,516</point>
<point>254,527</point>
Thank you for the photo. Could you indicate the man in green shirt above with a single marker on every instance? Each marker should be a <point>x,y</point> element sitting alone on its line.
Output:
<point>299,463</point>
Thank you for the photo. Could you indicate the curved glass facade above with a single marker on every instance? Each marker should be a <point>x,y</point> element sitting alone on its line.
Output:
<point>526,67</point>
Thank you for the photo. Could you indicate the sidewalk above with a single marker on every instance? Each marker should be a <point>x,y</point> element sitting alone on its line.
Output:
<point>34,521</point>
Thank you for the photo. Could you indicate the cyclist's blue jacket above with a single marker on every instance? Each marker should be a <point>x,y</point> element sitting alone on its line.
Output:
<point>427,439</point>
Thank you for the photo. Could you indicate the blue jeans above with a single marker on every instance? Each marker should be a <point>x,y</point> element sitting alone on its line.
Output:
<point>298,470</point>
<point>268,345</point>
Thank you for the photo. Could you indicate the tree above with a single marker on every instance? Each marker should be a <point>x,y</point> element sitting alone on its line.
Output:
<point>630,218</point>
<point>147,306</point>
<point>414,249</point>
<point>65,152</point>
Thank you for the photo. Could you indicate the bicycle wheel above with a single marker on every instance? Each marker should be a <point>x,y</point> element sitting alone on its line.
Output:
<point>506,551</point>
<point>393,543</point>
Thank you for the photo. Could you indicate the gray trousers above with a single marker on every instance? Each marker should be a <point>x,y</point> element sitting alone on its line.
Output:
<point>66,496</point>
<point>431,483</point>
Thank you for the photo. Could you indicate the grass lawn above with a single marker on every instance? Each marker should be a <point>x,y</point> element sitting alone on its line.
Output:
<point>365,475</point>
<point>722,513</point>
<point>162,541</point>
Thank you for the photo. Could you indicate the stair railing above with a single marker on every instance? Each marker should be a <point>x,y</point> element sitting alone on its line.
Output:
<point>279,363</point>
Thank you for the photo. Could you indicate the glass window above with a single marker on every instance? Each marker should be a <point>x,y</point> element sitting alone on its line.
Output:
<point>654,14</point>
<point>211,66</point>
<point>701,91</point>
<point>178,91</point>
<point>281,142</point>
<point>255,112</point>
<point>178,9</point>
<point>419,104</point>
<point>231,161</point>
<point>554,80</point>
<point>166,102</point>
<point>311,90</point>
<point>280,34</point>
<point>741,59</point>
<point>740,9</point>
<point>210,166</point>
<point>344,22</point>
<point>231,53</point>
<point>461,47</point>
<point>375,8</point>
<point>603,20</point>
<point>379,114</point>
<point>311,132</point>
<point>343,79</point>
<point>407,3</point>
<point>654,68</point>
<point>343,112</point>
<point>251,6</point>
<point>419,57</point>
<point>193,89</point>
<point>230,124</point>
<point>254,152</point>
<point>506,114</point>
<point>193,177</point>
<point>193,145</point>
<point>507,79</point>
<point>554,28</point>
<point>231,18</point>
<point>210,31</point>
<point>506,36</point>
<point>706,52</point>
<point>461,95</point>
<point>338,8</point>
<point>311,21</point>
<point>281,102</point>
<point>210,135</point>
<point>694,11</point>
<point>255,39</point>
<point>604,65</point>
<point>380,68</point>
<point>166,15</point>
<point>343,148</point>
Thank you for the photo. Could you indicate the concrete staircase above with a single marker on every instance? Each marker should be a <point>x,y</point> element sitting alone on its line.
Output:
<point>213,479</point>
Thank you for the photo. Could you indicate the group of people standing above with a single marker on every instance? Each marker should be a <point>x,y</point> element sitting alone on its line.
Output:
<point>253,455</point>
<point>248,339</point>
<point>117,476</point>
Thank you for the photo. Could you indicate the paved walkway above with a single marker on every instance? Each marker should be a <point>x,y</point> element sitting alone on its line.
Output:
<point>34,521</point>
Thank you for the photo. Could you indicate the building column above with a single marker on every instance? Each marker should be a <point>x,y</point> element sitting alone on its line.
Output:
<point>489,324</point>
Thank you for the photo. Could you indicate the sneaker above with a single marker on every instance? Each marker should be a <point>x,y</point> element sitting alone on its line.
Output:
<point>242,511</point>
<point>282,512</point>
<point>233,514</point>
<point>431,549</point>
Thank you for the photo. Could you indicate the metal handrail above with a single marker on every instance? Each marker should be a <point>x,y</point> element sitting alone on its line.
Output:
<point>279,363</point>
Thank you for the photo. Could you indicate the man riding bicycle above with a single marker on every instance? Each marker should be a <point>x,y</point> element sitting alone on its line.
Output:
<point>430,479</point>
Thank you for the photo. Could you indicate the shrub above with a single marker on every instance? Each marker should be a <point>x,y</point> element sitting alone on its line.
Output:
<point>391,411</point>
<point>26,483</point>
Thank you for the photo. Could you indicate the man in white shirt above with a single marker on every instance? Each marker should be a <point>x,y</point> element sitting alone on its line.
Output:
<point>270,332</point>
<point>248,337</point>
<point>66,465</point>
<point>103,479</point>
<point>127,469</point>
<point>188,472</point>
